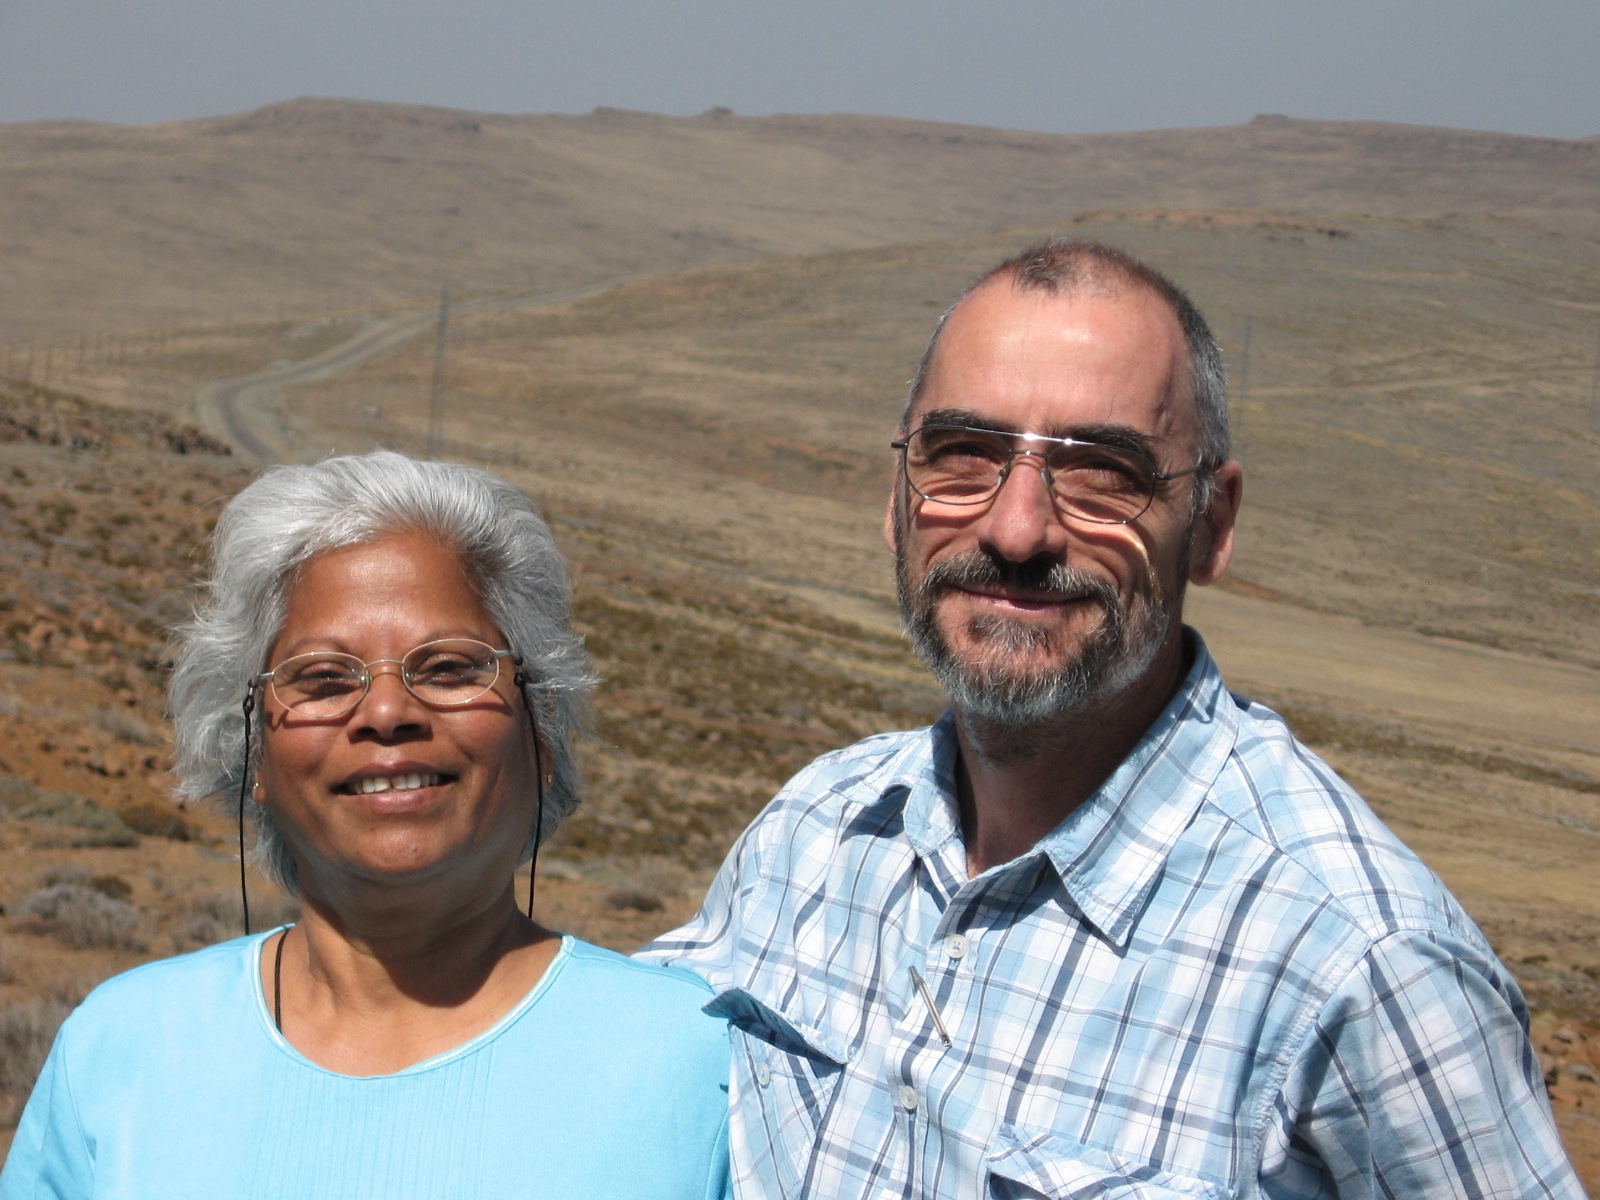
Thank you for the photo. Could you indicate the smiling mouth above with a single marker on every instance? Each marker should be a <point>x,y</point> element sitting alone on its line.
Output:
<point>1029,599</point>
<point>408,781</point>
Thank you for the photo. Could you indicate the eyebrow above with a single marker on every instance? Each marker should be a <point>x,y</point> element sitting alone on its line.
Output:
<point>1117,437</point>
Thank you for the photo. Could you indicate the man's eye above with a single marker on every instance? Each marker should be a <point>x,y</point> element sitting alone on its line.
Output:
<point>966,450</point>
<point>952,448</point>
<point>1102,469</point>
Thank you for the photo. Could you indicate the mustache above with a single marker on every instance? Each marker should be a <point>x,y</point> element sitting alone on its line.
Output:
<point>1043,578</point>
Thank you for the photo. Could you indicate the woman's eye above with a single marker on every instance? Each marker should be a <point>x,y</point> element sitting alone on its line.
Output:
<point>443,669</point>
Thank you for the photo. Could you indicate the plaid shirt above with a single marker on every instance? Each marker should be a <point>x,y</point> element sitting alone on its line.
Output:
<point>1220,976</point>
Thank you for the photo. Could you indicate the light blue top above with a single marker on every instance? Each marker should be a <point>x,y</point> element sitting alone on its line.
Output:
<point>606,1080</point>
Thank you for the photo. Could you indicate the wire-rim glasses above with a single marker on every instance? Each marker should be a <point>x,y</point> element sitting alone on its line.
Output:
<point>1093,481</point>
<point>326,684</point>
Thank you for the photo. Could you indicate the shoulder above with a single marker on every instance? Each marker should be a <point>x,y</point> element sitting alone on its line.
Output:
<point>176,1009</point>
<point>184,984</point>
<point>1283,793</point>
<point>636,980</point>
<point>622,989</point>
<point>832,788</point>
<point>643,1012</point>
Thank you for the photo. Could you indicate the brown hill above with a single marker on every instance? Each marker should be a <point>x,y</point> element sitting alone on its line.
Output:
<point>324,204</point>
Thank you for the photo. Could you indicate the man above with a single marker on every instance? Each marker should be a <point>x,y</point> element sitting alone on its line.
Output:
<point>1104,930</point>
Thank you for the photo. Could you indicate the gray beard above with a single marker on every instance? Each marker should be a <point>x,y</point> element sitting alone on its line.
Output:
<point>992,689</point>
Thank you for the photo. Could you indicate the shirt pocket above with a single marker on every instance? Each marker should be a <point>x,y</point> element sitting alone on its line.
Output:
<point>1030,1164</point>
<point>781,1088</point>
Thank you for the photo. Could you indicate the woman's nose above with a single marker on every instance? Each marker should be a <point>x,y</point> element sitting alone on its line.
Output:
<point>389,707</point>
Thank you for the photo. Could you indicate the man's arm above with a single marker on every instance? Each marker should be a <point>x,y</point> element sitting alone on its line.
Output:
<point>1418,1079</point>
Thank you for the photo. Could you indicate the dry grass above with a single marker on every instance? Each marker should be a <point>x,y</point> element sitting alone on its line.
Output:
<point>82,916</point>
<point>27,1031</point>
<point>218,916</point>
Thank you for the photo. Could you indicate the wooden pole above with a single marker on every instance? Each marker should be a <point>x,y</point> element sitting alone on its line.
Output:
<point>436,400</point>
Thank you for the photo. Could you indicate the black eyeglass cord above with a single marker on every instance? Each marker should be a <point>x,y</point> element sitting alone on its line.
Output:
<point>521,681</point>
<point>277,981</point>
<point>244,784</point>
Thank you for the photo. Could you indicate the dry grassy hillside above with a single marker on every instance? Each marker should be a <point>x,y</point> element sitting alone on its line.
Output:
<point>322,205</point>
<point>1422,522</point>
<point>1416,420</point>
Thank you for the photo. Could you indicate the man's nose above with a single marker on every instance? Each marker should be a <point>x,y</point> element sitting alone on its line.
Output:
<point>1021,522</point>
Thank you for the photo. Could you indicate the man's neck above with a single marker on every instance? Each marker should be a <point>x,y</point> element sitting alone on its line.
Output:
<point>1019,783</point>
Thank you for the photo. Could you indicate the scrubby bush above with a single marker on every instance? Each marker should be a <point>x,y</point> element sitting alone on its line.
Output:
<point>155,819</point>
<point>127,726</point>
<point>63,873</point>
<point>220,915</point>
<point>100,826</point>
<point>27,1030</point>
<point>14,793</point>
<point>80,916</point>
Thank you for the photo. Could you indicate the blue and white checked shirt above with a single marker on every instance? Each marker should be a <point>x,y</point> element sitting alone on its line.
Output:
<point>1220,976</point>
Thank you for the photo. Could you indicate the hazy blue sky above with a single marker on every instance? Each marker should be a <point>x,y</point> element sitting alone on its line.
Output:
<point>1531,67</point>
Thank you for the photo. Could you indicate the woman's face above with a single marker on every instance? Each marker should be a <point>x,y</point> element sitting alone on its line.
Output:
<point>460,793</point>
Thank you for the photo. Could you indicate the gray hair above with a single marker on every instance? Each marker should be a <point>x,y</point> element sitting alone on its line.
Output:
<point>267,534</point>
<point>1064,266</point>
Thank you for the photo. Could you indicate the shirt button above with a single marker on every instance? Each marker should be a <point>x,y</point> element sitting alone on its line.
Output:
<point>955,945</point>
<point>908,1098</point>
<point>763,1074</point>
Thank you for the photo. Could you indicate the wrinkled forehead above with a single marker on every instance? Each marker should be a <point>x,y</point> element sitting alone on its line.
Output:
<point>1062,363</point>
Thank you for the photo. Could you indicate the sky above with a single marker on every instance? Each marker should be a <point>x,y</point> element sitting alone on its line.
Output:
<point>1049,65</point>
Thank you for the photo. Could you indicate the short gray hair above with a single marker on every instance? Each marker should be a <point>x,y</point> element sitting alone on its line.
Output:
<point>1063,266</point>
<point>267,534</point>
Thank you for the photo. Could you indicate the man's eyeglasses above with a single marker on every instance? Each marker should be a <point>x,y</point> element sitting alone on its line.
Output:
<point>326,684</point>
<point>957,464</point>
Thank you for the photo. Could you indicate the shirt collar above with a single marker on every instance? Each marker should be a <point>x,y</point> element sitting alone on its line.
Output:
<point>1109,851</point>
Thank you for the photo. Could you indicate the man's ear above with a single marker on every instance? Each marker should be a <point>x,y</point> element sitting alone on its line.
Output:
<point>1213,533</point>
<point>889,523</point>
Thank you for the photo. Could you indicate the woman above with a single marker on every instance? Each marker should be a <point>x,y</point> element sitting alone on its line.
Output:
<point>397,632</point>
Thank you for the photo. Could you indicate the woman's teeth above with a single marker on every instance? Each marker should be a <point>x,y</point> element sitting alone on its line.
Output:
<point>396,783</point>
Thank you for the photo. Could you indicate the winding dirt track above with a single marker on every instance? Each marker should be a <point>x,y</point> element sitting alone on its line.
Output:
<point>236,409</point>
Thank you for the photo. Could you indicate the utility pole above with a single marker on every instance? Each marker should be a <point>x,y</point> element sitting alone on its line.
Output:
<point>436,401</point>
<point>1244,391</point>
<point>1594,401</point>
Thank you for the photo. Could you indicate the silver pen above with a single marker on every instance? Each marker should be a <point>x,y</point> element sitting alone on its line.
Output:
<point>927,997</point>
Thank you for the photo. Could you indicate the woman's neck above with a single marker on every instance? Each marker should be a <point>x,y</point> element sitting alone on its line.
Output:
<point>365,990</point>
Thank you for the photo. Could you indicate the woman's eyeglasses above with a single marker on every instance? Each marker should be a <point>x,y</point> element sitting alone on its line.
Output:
<point>326,684</point>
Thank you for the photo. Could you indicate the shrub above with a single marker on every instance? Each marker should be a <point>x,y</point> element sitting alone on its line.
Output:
<point>154,819</point>
<point>100,826</point>
<point>14,793</point>
<point>80,916</point>
<point>63,873</point>
<point>27,1031</point>
<point>114,886</point>
<point>219,916</point>
<point>126,726</point>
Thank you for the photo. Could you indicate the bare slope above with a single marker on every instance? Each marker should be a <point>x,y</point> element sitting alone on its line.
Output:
<point>322,204</point>
<point>1415,423</point>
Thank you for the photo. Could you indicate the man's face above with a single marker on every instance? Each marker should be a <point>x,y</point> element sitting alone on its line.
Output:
<point>1024,613</point>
